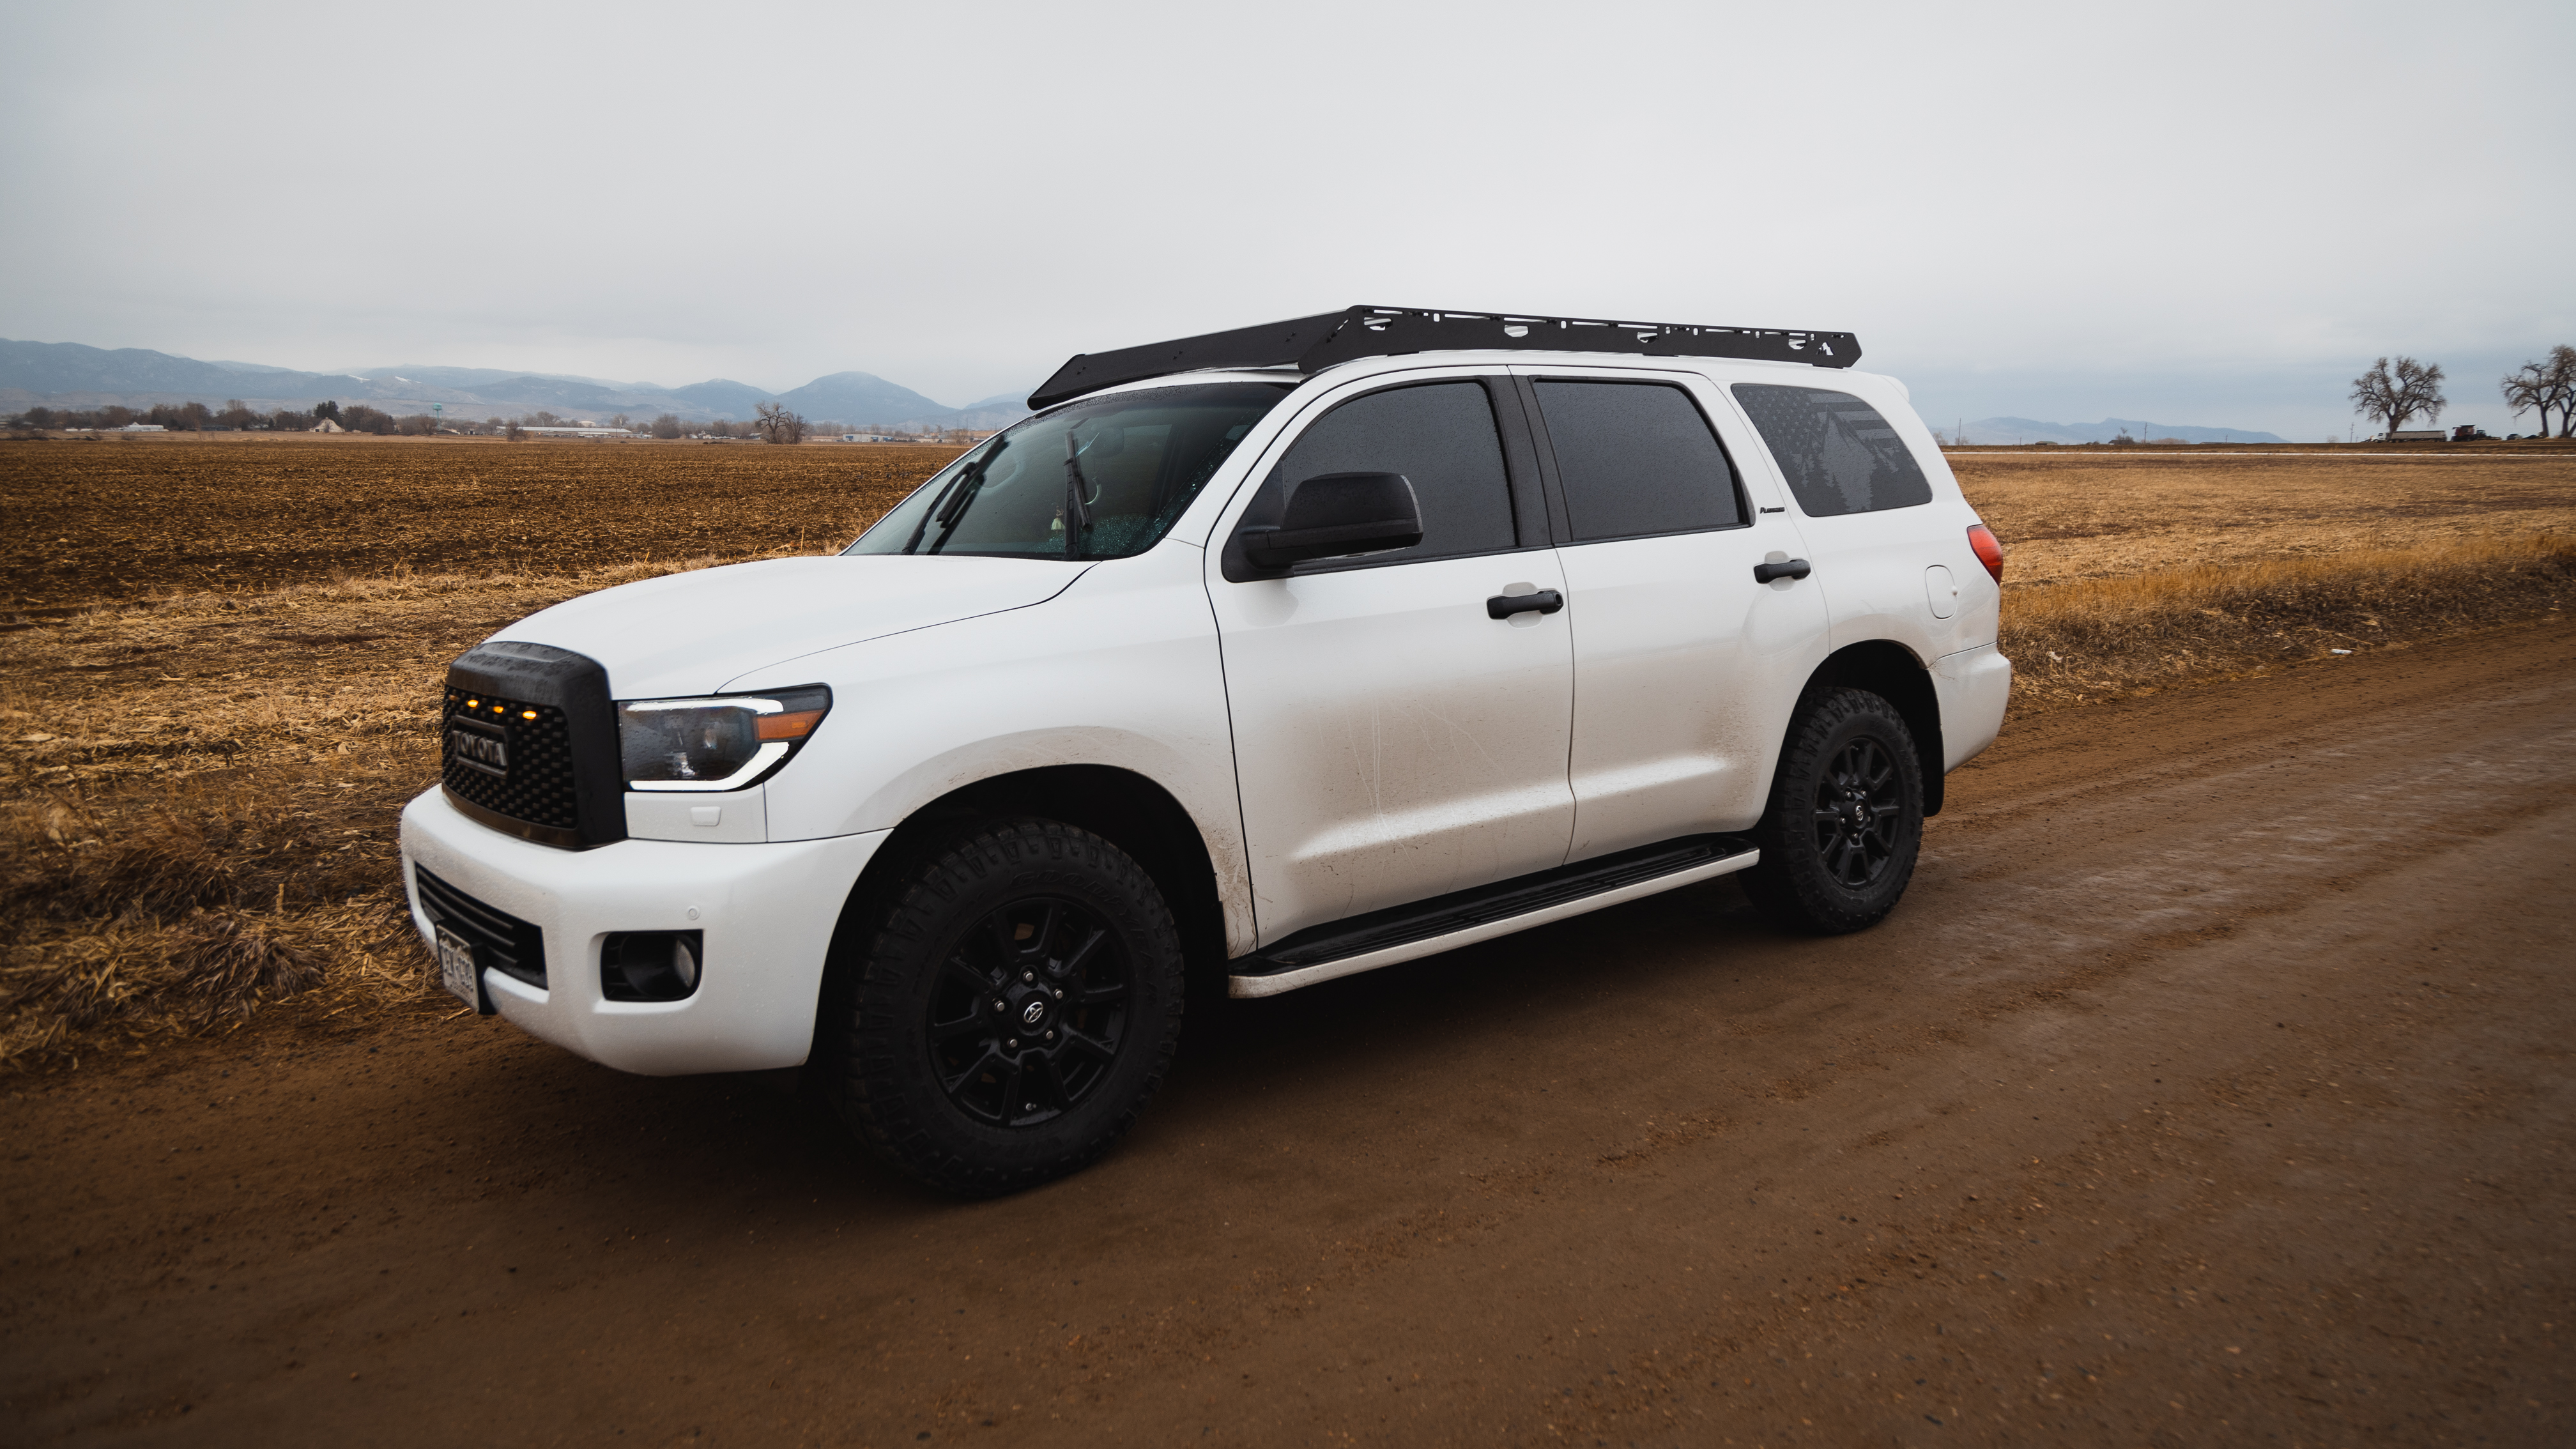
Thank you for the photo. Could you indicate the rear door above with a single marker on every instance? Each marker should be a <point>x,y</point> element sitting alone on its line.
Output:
<point>1685,668</point>
<point>1393,740</point>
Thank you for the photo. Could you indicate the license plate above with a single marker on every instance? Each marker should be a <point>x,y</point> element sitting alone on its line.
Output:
<point>456,968</point>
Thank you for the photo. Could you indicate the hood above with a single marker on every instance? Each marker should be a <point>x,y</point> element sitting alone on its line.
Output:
<point>689,633</point>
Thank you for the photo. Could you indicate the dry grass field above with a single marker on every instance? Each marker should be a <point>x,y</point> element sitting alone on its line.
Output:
<point>223,657</point>
<point>2101,517</point>
<point>2130,573</point>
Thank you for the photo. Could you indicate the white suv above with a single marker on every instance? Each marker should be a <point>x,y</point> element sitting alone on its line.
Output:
<point>1285,653</point>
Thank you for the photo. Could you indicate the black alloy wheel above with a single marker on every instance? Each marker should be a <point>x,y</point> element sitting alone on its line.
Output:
<point>1029,1012</point>
<point>1845,822</point>
<point>1859,813</point>
<point>999,1012</point>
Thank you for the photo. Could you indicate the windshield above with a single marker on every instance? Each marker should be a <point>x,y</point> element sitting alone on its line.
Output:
<point>1098,479</point>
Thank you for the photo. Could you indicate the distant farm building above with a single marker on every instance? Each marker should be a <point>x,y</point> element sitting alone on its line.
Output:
<point>141,428</point>
<point>328,426</point>
<point>537,432</point>
<point>2419,435</point>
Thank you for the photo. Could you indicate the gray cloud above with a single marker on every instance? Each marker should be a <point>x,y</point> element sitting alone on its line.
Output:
<point>2184,211</point>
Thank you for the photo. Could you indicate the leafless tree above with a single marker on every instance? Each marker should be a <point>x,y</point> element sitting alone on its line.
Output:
<point>2545,387</point>
<point>2527,389</point>
<point>778,425</point>
<point>2398,393</point>
<point>668,425</point>
<point>514,432</point>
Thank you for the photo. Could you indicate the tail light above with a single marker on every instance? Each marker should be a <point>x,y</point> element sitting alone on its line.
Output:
<point>1990,550</point>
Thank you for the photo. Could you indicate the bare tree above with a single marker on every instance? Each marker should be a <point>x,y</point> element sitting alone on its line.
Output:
<point>620,421</point>
<point>2526,389</point>
<point>668,426</point>
<point>778,425</point>
<point>514,432</point>
<point>2546,386</point>
<point>2561,390</point>
<point>2396,394</point>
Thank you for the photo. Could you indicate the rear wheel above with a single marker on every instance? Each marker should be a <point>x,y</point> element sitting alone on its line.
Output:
<point>1015,1009</point>
<point>1846,816</point>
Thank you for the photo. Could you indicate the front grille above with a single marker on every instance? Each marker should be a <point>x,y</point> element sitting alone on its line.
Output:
<point>539,758</point>
<point>502,941</point>
<point>537,787</point>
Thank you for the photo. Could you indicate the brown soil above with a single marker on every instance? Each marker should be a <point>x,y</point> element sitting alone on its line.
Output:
<point>2212,1086</point>
<point>125,520</point>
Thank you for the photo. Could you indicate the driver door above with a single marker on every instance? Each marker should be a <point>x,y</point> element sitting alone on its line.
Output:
<point>1393,740</point>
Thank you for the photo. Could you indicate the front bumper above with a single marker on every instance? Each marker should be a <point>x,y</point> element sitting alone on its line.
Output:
<point>767,912</point>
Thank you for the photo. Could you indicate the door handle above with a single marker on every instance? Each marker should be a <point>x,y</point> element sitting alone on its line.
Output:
<point>1503,606</point>
<point>1796,568</point>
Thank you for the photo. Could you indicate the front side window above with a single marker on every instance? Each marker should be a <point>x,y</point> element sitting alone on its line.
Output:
<point>1839,454</point>
<point>1439,435</point>
<point>1636,458</point>
<point>1104,478</point>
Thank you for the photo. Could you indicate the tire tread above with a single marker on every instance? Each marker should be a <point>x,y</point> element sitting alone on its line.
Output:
<point>873,1091</point>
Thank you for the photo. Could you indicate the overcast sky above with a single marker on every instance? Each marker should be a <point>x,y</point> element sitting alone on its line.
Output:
<point>2207,214</point>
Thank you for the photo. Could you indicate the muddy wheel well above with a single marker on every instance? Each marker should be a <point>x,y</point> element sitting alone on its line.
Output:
<point>1122,807</point>
<point>1890,671</point>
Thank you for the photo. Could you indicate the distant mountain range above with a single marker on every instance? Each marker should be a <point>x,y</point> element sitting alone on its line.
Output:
<point>67,374</point>
<point>2031,430</point>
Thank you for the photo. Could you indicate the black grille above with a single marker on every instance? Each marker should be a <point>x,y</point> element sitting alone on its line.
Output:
<point>538,758</point>
<point>502,941</point>
<point>537,787</point>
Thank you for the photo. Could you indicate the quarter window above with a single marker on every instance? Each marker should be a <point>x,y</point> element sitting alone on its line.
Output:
<point>1440,436</point>
<point>1636,458</point>
<point>1839,454</point>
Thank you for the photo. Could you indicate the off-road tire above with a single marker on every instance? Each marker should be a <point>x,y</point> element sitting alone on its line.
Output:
<point>1819,873</point>
<point>884,1069</point>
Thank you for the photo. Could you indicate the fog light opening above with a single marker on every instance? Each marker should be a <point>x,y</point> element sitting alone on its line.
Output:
<point>650,965</point>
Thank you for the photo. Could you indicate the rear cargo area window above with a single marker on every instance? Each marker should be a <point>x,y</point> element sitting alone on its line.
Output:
<point>1636,458</point>
<point>1839,454</point>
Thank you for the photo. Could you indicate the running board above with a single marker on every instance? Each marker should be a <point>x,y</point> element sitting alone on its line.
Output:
<point>1444,923</point>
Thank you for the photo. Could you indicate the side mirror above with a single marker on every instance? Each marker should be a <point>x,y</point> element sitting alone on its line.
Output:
<point>1332,514</point>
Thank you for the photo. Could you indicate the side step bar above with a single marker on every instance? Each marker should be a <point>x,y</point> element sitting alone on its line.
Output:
<point>1444,923</point>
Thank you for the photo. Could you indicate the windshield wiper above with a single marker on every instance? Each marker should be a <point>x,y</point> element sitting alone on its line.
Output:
<point>952,502</point>
<point>1077,509</point>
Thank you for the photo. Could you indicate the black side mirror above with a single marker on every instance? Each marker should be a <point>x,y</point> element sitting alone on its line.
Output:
<point>1332,514</point>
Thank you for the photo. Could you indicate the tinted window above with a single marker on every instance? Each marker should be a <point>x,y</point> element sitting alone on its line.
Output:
<point>1140,458</point>
<point>1838,453</point>
<point>1439,435</point>
<point>1636,458</point>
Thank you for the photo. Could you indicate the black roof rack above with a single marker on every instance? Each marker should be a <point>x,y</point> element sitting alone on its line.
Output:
<point>1312,344</point>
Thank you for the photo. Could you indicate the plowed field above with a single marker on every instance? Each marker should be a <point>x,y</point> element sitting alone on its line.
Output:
<point>118,520</point>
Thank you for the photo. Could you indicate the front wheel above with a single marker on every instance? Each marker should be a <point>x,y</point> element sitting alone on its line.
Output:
<point>1846,816</point>
<point>1014,1011</point>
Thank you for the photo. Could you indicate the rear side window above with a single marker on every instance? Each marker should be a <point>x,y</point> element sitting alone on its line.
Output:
<point>1440,436</point>
<point>1636,458</point>
<point>1838,453</point>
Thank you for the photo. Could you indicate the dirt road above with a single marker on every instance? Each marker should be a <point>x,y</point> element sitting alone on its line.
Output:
<point>2212,1086</point>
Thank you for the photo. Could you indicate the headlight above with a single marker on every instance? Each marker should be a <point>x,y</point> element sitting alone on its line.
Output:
<point>727,742</point>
